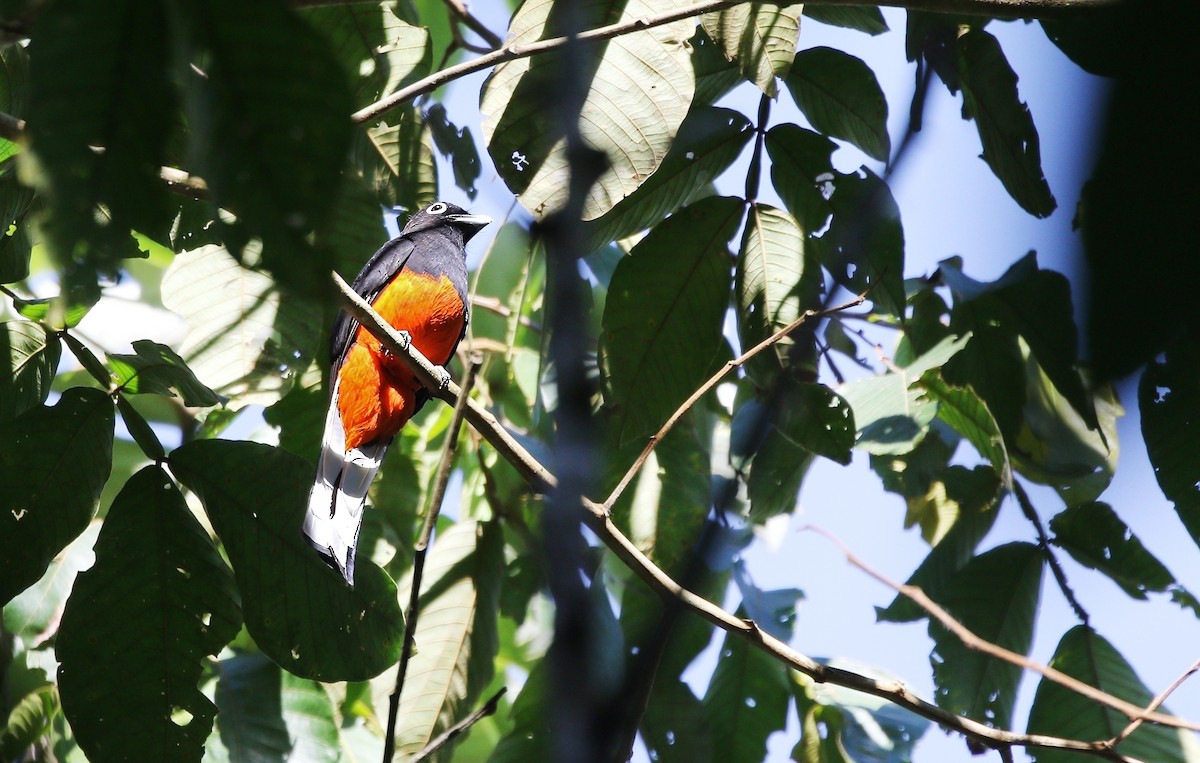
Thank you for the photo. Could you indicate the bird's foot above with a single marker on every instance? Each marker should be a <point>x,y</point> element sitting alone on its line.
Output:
<point>442,377</point>
<point>405,339</point>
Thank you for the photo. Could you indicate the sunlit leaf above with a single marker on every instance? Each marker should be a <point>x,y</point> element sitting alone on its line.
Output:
<point>662,320</point>
<point>760,36</point>
<point>246,338</point>
<point>965,411</point>
<point>378,52</point>
<point>299,611</point>
<point>995,596</point>
<point>28,720</point>
<point>139,622</point>
<point>40,511</point>
<point>156,369</point>
<point>841,98</point>
<point>715,75</point>
<point>399,161</point>
<point>641,85</point>
<point>29,357</point>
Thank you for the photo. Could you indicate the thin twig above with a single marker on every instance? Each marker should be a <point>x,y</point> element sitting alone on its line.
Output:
<point>488,708</point>
<point>1154,705</point>
<point>972,641</point>
<point>445,467</point>
<point>712,382</point>
<point>494,305</point>
<point>1044,541</point>
<point>599,521</point>
<point>474,24</point>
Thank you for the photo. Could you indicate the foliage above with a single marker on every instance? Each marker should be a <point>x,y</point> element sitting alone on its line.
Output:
<point>206,155</point>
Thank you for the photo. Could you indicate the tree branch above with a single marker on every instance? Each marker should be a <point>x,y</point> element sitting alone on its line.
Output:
<point>599,521</point>
<point>1005,8</point>
<point>474,24</point>
<point>488,708</point>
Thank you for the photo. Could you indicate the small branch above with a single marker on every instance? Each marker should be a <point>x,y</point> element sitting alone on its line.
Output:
<point>445,467</point>
<point>462,726</point>
<point>657,437</point>
<point>1157,703</point>
<point>494,305</point>
<point>11,128</point>
<point>599,522</point>
<point>972,641</point>
<point>1044,541</point>
<point>474,24</point>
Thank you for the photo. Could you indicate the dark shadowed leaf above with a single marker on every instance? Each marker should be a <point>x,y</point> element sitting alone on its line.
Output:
<point>746,702</point>
<point>673,728</point>
<point>801,164</point>
<point>1084,654</point>
<point>156,369</point>
<point>456,144</point>
<point>299,611</point>
<point>529,738</point>
<point>967,414</point>
<point>774,611</point>
<point>817,419</point>
<point>1010,140</point>
<point>16,200</point>
<point>40,511</point>
<point>995,596</point>
<point>760,37</point>
<point>456,636</point>
<point>28,361</point>
<point>662,320</point>
<point>776,473</point>
<point>640,88</point>
<point>1169,398</point>
<point>841,98</point>
<point>715,75</point>
<point>158,600</point>
<point>708,142</point>
<point>35,613</point>
<point>863,19</point>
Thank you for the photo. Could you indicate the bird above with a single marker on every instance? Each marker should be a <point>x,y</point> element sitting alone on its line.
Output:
<point>418,283</point>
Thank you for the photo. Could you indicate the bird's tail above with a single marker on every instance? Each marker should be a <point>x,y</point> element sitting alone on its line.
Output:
<point>335,504</point>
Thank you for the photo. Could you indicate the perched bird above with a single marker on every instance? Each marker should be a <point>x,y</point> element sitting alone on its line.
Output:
<point>418,283</point>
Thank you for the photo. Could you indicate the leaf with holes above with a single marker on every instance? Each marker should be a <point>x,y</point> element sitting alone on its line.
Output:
<point>801,165</point>
<point>1169,398</point>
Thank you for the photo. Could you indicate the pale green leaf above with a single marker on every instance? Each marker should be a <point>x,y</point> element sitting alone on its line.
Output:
<point>28,720</point>
<point>28,361</point>
<point>34,614</point>
<point>760,36</point>
<point>156,369</point>
<point>397,159</point>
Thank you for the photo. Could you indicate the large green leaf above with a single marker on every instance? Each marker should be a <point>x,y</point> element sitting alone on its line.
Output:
<point>760,36</point>
<point>271,92</point>
<point>1010,140</point>
<point>662,321</point>
<point>456,636</point>
<point>156,369</point>
<point>99,78</point>
<point>1058,711</point>
<point>841,98</point>
<point>28,361</point>
<point>747,701</point>
<point>891,415</point>
<point>246,339</point>
<point>397,159</point>
<point>862,18</point>
<point>138,624</point>
<point>673,727</point>
<point>708,142</point>
<point>1169,399</point>
<point>968,414</point>
<point>995,596</point>
<point>35,613</point>
<point>40,510</point>
<point>28,720</point>
<point>640,84</point>
<point>299,611</point>
<point>801,164</point>
<point>715,75</point>
<point>776,473</point>
<point>817,419</point>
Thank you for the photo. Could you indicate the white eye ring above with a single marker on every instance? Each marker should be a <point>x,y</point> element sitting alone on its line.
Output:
<point>436,209</point>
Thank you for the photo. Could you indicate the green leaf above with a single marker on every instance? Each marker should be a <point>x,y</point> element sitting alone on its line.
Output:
<point>967,414</point>
<point>817,419</point>
<point>841,98</point>
<point>673,727</point>
<point>138,624</point>
<point>35,613</point>
<point>715,75</point>
<point>29,356</point>
<point>974,499</point>
<point>16,201</point>
<point>156,369</point>
<point>774,611</point>
<point>397,158</point>
<point>456,637</point>
<point>272,91</point>
<point>662,321</point>
<point>1097,538</point>
<point>760,36</point>
<point>776,474</point>
<point>1056,710</point>
<point>56,312</point>
<point>1010,139</point>
<point>300,414</point>
<point>299,611</point>
<point>40,512</point>
<point>801,164</point>
<point>529,738</point>
<point>14,92</point>
<point>99,78</point>
<point>864,246</point>
<point>866,18</point>
<point>995,596</point>
<point>709,140</point>
<point>1169,399</point>
<point>892,417</point>
<point>746,702</point>
<point>378,52</point>
<point>29,720</point>
<point>641,85</point>
<point>247,339</point>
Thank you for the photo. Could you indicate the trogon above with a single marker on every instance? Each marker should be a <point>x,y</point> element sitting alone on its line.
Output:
<point>418,283</point>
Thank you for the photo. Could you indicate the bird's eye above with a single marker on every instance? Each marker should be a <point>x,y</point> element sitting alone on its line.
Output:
<point>436,209</point>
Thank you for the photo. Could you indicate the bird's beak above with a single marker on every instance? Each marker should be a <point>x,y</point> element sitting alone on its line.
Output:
<point>470,224</point>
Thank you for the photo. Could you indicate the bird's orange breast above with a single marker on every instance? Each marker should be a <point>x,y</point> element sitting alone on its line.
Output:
<point>376,394</point>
